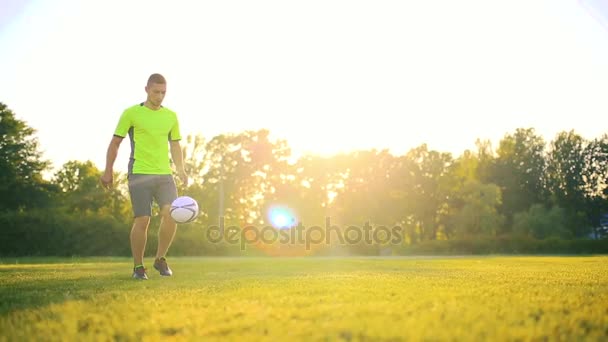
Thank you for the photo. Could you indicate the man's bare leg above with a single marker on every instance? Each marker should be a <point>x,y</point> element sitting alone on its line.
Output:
<point>166,232</point>
<point>165,237</point>
<point>139,236</point>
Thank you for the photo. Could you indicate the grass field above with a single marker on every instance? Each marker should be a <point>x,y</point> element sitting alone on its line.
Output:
<point>380,299</point>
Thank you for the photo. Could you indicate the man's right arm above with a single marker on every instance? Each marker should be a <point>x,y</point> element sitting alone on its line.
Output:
<point>108,175</point>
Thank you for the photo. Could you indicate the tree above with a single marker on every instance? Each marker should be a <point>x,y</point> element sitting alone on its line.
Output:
<point>473,204</point>
<point>21,165</point>
<point>194,158</point>
<point>237,170</point>
<point>307,187</point>
<point>81,191</point>
<point>364,195</point>
<point>596,178</point>
<point>519,171</point>
<point>541,223</point>
<point>478,215</point>
<point>426,181</point>
<point>485,160</point>
<point>566,179</point>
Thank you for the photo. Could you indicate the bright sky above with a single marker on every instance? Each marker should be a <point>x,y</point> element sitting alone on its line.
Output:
<point>326,75</point>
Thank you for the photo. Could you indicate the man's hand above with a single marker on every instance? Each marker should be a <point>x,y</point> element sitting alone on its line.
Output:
<point>107,179</point>
<point>183,176</point>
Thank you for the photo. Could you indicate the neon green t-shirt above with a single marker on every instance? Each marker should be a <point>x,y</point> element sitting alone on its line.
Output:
<point>149,132</point>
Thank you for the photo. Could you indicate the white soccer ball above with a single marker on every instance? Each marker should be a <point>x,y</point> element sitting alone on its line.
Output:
<point>184,209</point>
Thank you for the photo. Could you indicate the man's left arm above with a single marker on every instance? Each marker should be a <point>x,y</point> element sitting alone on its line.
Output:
<point>178,159</point>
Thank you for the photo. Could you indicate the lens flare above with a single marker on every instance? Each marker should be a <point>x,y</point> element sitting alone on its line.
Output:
<point>598,9</point>
<point>282,217</point>
<point>285,221</point>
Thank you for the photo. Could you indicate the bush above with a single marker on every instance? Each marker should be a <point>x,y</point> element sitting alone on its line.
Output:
<point>54,233</point>
<point>506,245</point>
<point>51,233</point>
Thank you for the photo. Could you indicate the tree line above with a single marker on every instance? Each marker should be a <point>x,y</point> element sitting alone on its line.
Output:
<point>523,195</point>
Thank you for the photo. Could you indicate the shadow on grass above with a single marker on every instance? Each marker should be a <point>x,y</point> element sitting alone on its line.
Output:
<point>35,293</point>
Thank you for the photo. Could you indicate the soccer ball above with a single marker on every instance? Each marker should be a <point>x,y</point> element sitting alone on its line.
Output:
<point>184,209</point>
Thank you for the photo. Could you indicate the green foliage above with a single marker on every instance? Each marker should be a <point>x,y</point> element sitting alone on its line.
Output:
<point>540,222</point>
<point>478,215</point>
<point>21,165</point>
<point>511,244</point>
<point>238,177</point>
<point>566,179</point>
<point>595,168</point>
<point>234,172</point>
<point>81,191</point>
<point>44,232</point>
<point>565,165</point>
<point>422,181</point>
<point>365,192</point>
<point>518,170</point>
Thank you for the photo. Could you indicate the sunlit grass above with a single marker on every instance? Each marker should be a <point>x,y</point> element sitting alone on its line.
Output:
<point>472,298</point>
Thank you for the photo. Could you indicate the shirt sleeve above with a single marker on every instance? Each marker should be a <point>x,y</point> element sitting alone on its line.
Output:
<point>175,134</point>
<point>124,124</point>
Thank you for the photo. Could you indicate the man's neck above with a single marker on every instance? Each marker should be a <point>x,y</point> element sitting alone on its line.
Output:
<point>151,106</point>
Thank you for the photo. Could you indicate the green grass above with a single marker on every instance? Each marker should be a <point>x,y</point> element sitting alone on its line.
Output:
<point>469,298</point>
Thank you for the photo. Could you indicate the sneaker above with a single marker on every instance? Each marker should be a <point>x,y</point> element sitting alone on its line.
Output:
<point>139,272</point>
<point>160,265</point>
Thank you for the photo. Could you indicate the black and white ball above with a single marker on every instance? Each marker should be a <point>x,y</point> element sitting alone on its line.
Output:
<point>184,209</point>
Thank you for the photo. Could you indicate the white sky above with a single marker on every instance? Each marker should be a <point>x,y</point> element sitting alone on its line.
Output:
<point>327,75</point>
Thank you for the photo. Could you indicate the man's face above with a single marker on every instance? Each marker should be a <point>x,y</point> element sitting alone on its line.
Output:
<point>156,93</point>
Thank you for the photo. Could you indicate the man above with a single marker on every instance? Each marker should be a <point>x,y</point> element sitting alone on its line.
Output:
<point>153,131</point>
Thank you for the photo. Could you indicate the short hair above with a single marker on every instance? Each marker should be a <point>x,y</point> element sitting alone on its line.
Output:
<point>156,78</point>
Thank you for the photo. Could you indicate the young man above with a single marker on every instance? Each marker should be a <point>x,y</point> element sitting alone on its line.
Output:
<point>153,131</point>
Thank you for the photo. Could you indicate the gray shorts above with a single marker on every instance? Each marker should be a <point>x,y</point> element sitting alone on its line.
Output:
<point>144,189</point>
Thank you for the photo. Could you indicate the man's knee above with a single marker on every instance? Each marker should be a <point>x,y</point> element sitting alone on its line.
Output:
<point>141,222</point>
<point>165,212</point>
